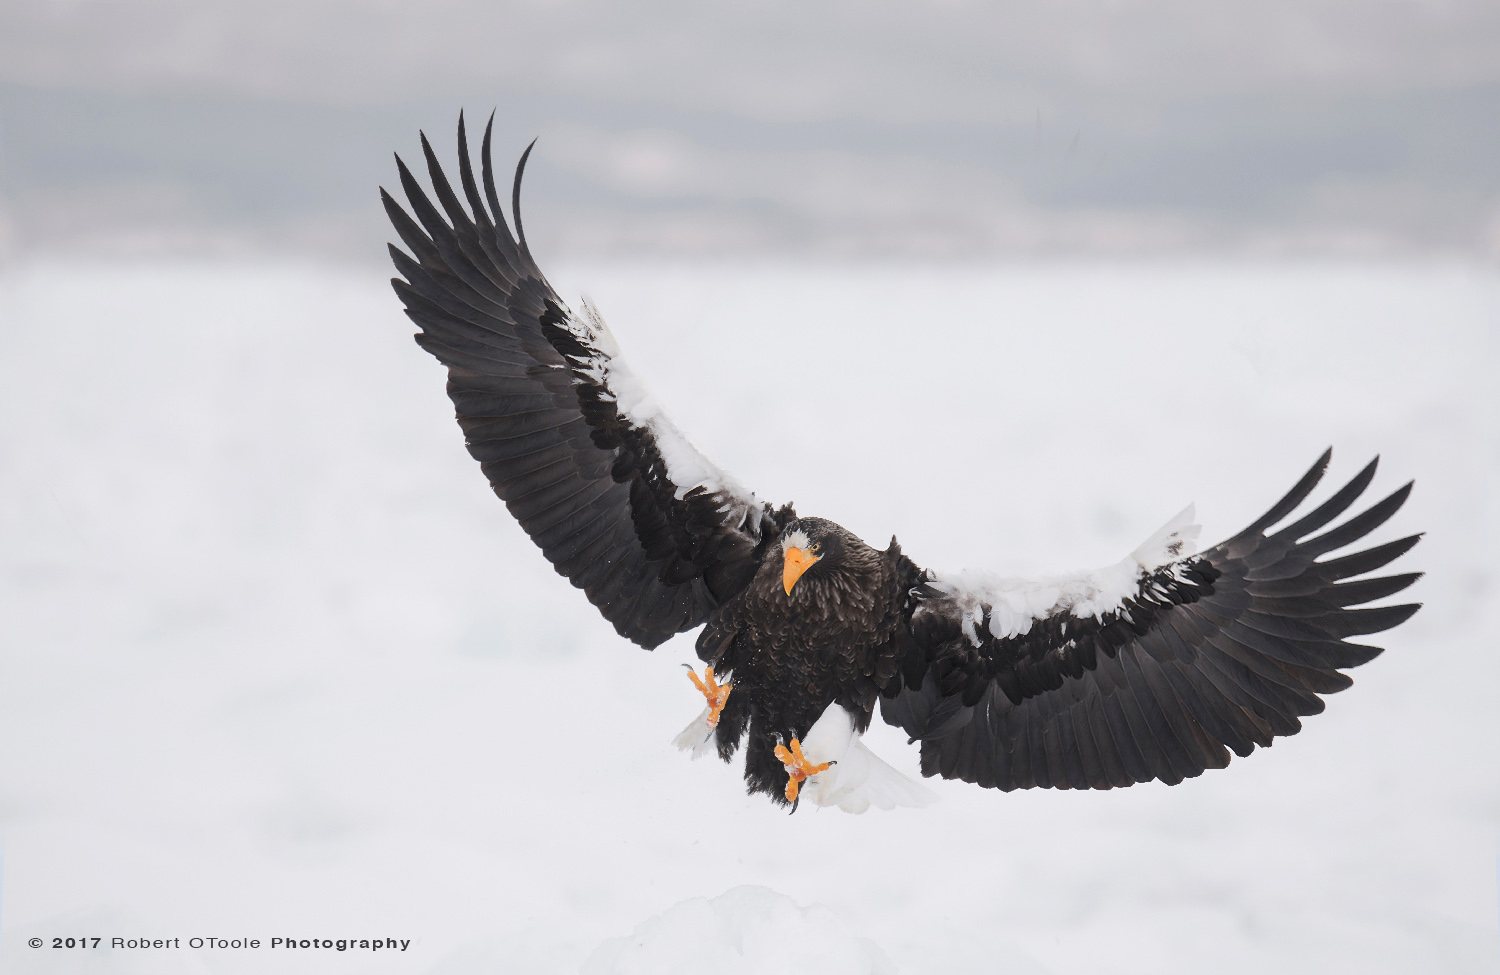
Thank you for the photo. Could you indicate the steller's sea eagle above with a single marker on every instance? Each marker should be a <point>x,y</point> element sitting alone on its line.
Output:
<point>1153,668</point>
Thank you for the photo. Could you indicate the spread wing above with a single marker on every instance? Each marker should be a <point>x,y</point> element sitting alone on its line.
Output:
<point>1154,668</point>
<point>621,503</point>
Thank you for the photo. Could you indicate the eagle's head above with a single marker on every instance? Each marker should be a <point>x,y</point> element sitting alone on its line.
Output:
<point>814,545</point>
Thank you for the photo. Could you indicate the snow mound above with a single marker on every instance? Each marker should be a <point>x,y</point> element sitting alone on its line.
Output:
<point>744,931</point>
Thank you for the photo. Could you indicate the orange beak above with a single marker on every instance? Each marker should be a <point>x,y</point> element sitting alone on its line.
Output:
<point>796,562</point>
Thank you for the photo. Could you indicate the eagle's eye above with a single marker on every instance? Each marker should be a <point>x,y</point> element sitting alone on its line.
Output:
<point>813,548</point>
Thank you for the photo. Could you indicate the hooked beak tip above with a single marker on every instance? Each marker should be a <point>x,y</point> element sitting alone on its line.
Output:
<point>795,562</point>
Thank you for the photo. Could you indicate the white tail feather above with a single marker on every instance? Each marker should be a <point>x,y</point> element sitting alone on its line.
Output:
<point>860,779</point>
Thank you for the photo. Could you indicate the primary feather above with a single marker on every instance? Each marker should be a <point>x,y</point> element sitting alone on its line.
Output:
<point>618,499</point>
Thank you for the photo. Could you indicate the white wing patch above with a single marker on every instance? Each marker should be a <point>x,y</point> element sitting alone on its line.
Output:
<point>1171,542</point>
<point>687,467</point>
<point>1016,604</point>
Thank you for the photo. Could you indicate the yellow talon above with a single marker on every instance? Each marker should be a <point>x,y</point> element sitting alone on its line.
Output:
<point>716,693</point>
<point>797,767</point>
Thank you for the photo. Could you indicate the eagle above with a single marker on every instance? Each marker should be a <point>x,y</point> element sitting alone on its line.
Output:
<point>1154,668</point>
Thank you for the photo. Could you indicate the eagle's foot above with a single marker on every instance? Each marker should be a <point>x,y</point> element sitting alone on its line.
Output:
<point>798,767</point>
<point>716,693</point>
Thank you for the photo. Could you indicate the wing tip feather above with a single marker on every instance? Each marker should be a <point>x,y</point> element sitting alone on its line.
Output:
<point>515,197</point>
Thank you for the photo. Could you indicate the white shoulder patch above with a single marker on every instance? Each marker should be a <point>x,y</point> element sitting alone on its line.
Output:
<point>1016,604</point>
<point>1171,542</point>
<point>687,467</point>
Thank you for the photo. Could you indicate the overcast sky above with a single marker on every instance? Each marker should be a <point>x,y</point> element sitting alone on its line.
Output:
<point>949,129</point>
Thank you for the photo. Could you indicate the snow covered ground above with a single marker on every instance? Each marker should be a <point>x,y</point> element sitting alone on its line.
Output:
<point>277,664</point>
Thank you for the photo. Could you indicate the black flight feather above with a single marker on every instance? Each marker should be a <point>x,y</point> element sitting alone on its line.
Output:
<point>1232,654</point>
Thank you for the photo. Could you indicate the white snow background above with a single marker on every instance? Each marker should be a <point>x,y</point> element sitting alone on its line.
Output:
<point>276,662</point>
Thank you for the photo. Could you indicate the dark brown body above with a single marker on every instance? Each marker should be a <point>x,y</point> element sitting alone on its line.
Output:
<point>837,637</point>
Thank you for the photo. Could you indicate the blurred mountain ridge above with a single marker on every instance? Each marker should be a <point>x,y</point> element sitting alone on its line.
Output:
<point>960,131</point>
